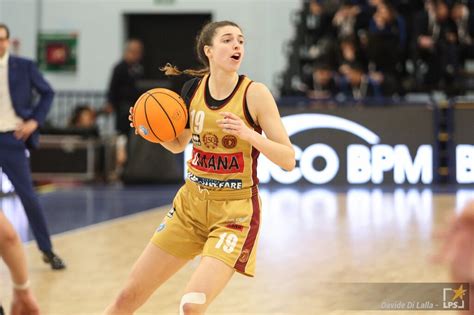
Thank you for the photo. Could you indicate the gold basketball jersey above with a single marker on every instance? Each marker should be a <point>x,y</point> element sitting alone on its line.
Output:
<point>220,160</point>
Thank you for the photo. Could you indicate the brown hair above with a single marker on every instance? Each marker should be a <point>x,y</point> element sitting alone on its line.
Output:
<point>5,27</point>
<point>204,38</point>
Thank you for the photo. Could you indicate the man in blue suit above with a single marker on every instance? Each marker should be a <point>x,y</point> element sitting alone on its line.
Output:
<point>19,121</point>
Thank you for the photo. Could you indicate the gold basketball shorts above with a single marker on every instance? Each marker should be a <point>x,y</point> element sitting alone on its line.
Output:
<point>220,224</point>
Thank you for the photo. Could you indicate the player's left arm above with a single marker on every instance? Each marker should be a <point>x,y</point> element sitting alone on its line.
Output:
<point>276,146</point>
<point>457,245</point>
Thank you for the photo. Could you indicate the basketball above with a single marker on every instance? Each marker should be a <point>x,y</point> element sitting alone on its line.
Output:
<point>159,115</point>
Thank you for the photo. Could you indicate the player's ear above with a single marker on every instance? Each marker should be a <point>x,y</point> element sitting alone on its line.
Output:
<point>207,50</point>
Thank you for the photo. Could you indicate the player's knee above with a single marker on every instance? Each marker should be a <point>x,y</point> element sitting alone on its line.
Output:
<point>126,301</point>
<point>8,237</point>
<point>192,303</point>
<point>192,309</point>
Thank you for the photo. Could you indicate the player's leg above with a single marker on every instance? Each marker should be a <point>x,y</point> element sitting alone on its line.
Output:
<point>173,244</point>
<point>152,269</point>
<point>11,250</point>
<point>230,247</point>
<point>209,279</point>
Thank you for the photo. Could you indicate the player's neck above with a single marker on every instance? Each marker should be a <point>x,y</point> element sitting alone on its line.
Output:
<point>221,84</point>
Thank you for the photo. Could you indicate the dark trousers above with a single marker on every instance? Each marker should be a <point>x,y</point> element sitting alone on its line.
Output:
<point>15,165</point>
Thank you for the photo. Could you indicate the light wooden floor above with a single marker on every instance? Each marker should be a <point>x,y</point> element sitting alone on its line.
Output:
<point>309,242</point>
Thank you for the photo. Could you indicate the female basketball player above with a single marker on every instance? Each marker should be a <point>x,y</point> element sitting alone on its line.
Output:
<point>217,212</point>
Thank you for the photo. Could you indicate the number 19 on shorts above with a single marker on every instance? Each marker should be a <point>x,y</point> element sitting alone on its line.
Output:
<point>230,240</point>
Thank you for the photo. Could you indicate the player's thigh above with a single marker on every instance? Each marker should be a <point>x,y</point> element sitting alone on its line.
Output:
<point>152,269</point>
<point>234,237</point>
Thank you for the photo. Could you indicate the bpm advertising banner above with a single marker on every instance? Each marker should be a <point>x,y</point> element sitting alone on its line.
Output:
<point>357,145</point>
<point>352,145</point>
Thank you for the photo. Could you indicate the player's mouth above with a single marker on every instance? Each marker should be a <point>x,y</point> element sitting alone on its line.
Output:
<point>236,56</point>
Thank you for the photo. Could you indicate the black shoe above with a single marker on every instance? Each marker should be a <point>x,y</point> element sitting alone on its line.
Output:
<point>54,260</point>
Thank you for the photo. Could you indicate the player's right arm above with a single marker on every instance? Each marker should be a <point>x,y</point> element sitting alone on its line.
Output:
<point>179,143</point>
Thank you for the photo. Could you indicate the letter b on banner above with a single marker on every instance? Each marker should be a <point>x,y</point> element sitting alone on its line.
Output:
<point>465,164</point>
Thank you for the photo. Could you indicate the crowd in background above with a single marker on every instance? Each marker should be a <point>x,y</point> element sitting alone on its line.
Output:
<point>373,48</point>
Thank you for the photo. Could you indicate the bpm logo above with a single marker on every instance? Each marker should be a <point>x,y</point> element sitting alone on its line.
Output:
<point>454,299</point>
<point>365,163</point>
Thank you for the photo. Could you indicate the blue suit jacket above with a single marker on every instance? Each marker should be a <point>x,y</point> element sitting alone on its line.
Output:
<point>23,78</point>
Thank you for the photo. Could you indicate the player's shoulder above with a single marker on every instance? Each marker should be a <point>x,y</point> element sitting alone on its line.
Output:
<point>258,90</point>
<point>258,87</point>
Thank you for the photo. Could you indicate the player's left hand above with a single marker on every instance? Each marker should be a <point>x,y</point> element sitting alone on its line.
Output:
<point>25,129</point>
<point>232,124</point>
<point>130,118</point>
<point>457,249</point>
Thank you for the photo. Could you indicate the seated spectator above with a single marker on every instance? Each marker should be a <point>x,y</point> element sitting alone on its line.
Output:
<point>388,33</point>
<point>318,22</point>
<point>322,83</point>
<point>348,19</point>
<point>82,122</point>
<point>83,117</point>
<point>386,47</point>
<point>349,53</point>
<point>464,20</point>
<point>435,42</point>
<point>360,85</point>
<point>319,32</point>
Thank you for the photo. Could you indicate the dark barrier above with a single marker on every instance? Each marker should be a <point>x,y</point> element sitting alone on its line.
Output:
<point>462,143</point>
<point>69,156</point>
<point>150,163</point>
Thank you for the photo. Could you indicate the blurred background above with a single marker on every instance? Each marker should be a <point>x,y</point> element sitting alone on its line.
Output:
<point>411,58</point>
<point>376,95</point>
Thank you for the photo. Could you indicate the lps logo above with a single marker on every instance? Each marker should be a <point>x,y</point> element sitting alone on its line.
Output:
<point>365,163</point>
<point>454,299</point>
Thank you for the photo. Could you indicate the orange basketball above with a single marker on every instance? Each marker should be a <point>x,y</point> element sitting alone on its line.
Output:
<point>159,115</point>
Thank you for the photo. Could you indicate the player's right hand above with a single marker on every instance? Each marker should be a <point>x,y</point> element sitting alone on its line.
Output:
<point>24,303</point>
<point>130,117</point>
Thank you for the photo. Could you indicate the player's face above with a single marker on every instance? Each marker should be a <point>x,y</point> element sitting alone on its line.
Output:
<point>4,42</point>
<point>227,50</point>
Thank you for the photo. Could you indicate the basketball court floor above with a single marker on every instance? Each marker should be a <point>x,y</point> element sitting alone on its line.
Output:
<point>313,240</point>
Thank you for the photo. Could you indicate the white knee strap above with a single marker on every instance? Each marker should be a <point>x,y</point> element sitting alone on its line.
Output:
<point>192,297</point>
